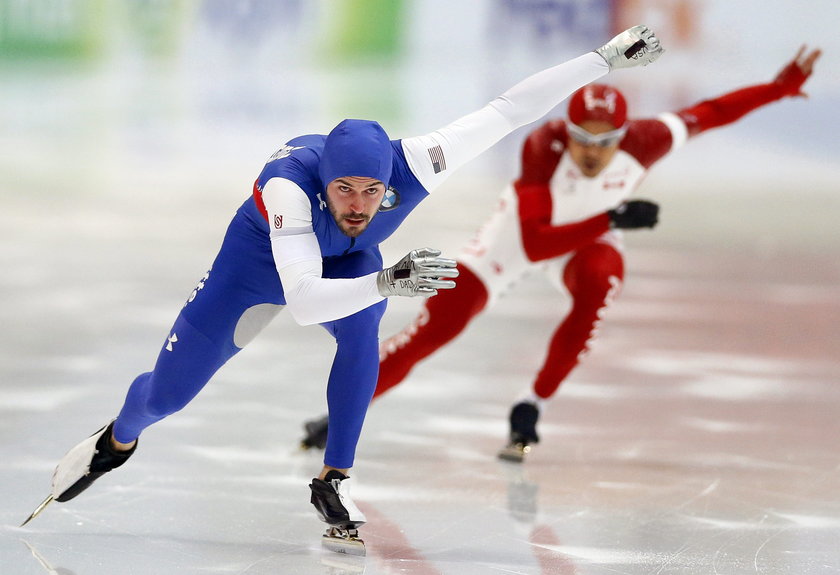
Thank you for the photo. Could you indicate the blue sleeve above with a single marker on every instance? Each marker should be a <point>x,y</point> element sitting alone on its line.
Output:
<point>297,161</point>
<point>402,178</point>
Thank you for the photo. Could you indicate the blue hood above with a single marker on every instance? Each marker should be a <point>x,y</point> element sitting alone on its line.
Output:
<point>356,148</point>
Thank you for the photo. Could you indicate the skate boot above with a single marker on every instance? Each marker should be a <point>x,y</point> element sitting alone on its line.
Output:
<point>331,498</point>
<point>316,433</point>
<point>83,465</point>
<point>523,432</point>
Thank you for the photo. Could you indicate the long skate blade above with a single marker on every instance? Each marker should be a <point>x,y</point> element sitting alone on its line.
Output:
<point>515,452</point>
<point>38,509</point>
<point>340,541</point>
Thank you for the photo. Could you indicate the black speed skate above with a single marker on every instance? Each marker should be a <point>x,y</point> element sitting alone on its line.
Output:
<point>82,465</point>
<point>316,433</point>
<point>523,432</point>
<point>331,498</point>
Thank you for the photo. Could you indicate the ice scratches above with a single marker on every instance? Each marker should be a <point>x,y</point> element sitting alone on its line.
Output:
<point>230,454</point>
<point>477,425</point>
<point>689,363</point>
<point>733,525</point>
<point>42,399</point>
<point>734,387</point>
<point>719,426</point>
<point>776,524</point>
<point>611,556</point>
<point>398,493</point>
<point>343,564</point>
<point>621,485</point>
<point>719,375</point>
<point>811,521</point>
<point>595,390</point>
<point>735,461</point>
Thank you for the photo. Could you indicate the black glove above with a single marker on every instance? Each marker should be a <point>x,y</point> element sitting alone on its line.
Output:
<point>634,214</point>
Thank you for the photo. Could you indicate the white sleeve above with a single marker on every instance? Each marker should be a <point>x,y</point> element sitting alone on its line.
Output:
<point>436,155</point>
<point>310,298</point>
<point>678,129</point>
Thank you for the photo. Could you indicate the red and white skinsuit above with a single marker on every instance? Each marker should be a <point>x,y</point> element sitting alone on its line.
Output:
<point>554,218</point>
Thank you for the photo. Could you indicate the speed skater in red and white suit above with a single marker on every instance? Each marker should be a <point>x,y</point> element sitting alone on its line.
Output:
<point>564,215</point>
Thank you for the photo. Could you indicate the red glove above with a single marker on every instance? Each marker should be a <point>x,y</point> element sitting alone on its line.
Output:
<point>792,76</point>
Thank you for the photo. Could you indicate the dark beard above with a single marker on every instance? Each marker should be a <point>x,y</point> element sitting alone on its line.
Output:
<point>339,219</point>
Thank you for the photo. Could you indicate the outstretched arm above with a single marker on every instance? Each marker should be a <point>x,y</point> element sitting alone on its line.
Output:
<point>730,107</point>
<point>310,297</point>
<point>436,155</point>
<point>541,240</point>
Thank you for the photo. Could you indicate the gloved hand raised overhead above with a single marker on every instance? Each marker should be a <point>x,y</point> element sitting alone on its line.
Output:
<point>636,46</point>
<point>421,272</point>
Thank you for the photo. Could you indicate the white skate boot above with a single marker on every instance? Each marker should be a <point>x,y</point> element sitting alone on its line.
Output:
<point>83,465</point>
<point>331,498</point>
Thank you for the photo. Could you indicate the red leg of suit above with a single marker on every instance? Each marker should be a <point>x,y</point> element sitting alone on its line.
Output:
<point>442,318</point>
<point>592,275</point>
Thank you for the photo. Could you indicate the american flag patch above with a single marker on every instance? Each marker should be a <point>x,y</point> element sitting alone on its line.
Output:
<point>438,161</point>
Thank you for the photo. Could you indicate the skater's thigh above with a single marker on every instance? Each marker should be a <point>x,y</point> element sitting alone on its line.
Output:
<point>603,255</point>
<point>241,291</point>
<point>594,268</point>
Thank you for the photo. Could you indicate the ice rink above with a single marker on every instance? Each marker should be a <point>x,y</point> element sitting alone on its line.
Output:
<point>700,436</point>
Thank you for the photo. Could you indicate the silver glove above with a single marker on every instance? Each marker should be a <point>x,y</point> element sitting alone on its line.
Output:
<point>636,46</point>
<point>418,273</point>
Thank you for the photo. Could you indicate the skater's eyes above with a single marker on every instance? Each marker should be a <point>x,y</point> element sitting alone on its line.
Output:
<point>370,187</point>
<point>347,189</point>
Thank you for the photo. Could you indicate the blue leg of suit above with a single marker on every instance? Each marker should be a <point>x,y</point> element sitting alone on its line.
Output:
<point>228,308</point>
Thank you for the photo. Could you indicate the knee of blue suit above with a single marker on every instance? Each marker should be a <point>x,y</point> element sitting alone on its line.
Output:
<point>185,364</point>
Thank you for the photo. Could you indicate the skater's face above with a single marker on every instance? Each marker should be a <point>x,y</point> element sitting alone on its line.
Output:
<point>353,201</point>
<point>592,145</point>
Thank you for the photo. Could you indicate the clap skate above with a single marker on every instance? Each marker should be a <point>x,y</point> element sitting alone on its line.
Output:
<point>316,433</point>
<point>331,498</point>
<point>523,432</point>
<point>81,466</point>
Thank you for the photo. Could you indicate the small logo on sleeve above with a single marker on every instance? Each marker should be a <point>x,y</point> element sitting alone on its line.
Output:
<point>278,222</point>
<point>438,161</point>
